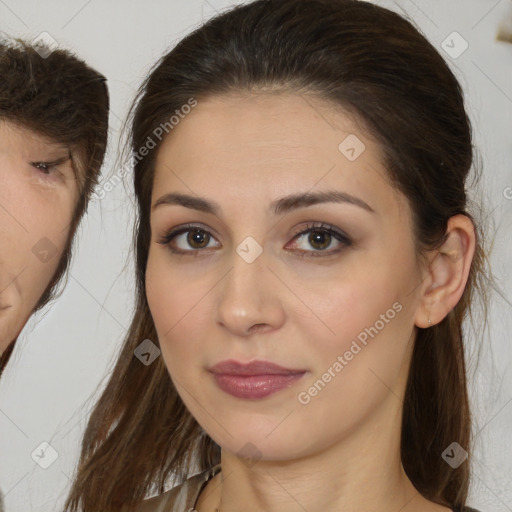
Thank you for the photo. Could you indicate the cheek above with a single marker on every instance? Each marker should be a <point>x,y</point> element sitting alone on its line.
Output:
<point>39,254</point>
<point>34,233</point>
<point>32,212</point>
<point>34,239</point>
<point>356,326</point>
<point>361,357</point>
<point>175,304</point>
<point>48,227</point>
<point>365,315</point>
<point>161,285</point>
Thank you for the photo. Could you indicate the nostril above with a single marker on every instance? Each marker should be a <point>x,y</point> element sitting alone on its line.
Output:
<point>260,327</point>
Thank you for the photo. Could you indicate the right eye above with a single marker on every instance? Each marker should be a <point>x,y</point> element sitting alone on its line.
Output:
<point>196,236</point>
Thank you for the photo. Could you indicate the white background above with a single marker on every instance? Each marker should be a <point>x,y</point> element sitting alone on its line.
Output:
<point>63,354</point>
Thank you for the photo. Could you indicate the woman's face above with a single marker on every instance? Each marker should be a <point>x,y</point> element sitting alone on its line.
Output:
<point>38,193</point>
<point>336,310</point>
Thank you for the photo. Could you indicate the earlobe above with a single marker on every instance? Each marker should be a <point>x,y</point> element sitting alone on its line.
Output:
<point>448,272</point>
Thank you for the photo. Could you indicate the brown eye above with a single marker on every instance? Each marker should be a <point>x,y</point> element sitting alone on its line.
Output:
<point>196,239</point>
<point>320,237</point>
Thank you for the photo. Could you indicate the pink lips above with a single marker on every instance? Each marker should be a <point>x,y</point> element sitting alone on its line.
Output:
<point>255,380</point>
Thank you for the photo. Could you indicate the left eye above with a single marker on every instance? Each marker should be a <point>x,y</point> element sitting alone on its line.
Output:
<point>321,237</point>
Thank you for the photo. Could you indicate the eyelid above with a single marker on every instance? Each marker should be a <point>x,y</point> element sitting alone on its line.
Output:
<point>321,226</point>
<point>53,163</point>
<point>38,165</point>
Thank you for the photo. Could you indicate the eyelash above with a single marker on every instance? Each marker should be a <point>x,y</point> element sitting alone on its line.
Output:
<point>45,166</point>
<point>319,227</point>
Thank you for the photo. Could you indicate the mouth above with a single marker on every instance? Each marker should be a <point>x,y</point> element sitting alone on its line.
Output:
<point>255,380</point>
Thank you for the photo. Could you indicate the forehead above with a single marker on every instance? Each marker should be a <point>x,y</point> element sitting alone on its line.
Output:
<point>269,145</point>
<point>17,136</point>
<point>271,119</point>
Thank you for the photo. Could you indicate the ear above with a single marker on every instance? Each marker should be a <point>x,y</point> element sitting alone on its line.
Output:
<point>448,272</point>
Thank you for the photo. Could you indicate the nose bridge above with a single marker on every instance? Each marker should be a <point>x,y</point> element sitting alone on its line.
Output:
<point>247,264</point>
<point>248,295</point>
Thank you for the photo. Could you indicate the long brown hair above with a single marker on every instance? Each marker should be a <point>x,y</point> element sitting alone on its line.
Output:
<point>58,96</point>
<point>376,64</point>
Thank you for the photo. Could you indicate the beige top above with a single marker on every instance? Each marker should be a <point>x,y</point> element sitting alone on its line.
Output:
<point>182,498</point>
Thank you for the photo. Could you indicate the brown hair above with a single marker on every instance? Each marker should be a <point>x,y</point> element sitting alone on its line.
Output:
<point>377,65</point>
<point>58,96</point>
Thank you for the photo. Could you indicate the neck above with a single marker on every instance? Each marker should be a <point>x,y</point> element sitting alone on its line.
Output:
<point>361,472</point>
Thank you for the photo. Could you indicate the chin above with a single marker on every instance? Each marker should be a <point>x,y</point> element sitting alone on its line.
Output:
<point>252,444</point>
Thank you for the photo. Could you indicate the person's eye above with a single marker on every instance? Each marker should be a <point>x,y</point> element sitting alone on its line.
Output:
<point>196,237</point>
<point>321,237</point>
<point>49,168</point>
<point>44,167</point>
<point>180,240</point>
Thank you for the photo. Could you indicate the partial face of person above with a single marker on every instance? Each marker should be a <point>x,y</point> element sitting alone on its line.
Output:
<point>38,194</point>
<point>321,292</point>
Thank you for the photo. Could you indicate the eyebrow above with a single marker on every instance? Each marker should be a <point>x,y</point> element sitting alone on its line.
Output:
<point>277,207</point>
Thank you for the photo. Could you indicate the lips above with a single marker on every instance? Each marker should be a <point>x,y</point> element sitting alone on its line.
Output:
<point>255,380</point>
<point>232,367</point>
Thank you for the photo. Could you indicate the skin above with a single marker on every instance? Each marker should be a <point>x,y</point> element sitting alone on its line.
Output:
<point>340,451</point>
<point>36,208</point>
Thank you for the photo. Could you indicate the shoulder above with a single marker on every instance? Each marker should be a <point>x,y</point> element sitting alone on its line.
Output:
<point>182,497</point>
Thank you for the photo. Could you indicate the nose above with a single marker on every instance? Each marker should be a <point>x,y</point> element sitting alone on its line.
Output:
<point>249,297</point>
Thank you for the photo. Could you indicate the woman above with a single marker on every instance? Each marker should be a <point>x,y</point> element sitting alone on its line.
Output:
<point>305,258</point>
<point>53,137</point>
